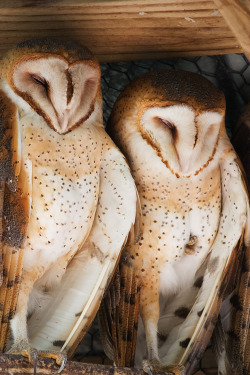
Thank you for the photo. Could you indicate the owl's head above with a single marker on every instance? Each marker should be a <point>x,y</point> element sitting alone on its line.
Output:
<point>178,113</point>
<point>59,80</point>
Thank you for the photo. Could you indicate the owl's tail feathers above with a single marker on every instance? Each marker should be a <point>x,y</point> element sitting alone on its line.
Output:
<point>219,340</point>
<point>242,316</point>
<point>2,184</point>
<point>235,321</point>
<point>209,320</point>
<point>118,315</point>
<point>12,268</point>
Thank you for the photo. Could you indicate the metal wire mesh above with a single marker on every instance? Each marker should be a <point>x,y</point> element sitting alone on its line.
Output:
<point>231,74</point>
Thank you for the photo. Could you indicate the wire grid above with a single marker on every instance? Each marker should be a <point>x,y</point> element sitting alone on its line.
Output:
<point>231,74</point>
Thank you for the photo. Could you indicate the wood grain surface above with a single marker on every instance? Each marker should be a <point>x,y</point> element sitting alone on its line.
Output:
<point>124,30</point>
<point>237,16</point>
<point>17,365</point>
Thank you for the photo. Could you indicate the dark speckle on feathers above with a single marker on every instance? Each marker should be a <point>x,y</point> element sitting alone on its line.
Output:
<point>123,282</point>
<point>182,312</point>
<point>236,303</point>
<point>162,337</point>
<point>58,343</point>
<point>127,298</point>
<point>233,336</point>
<point>11,314</point>
<point>199,313</point>
<point>132,299</point>
<point>213,264</point>
<point>5,319</point>
<point>5,272</point>
<point>127,336</point>
<point>245,265</point>
<point>184,343</point>
<point>14,221</point>
<point>10,284</point>
<point>198,282</point>
<point>212,321</point>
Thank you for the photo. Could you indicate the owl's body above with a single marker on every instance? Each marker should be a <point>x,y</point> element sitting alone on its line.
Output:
<point>171,207</point>
<point>64,222</point>
<point>194,210</point>
<point>63,203</point>
<point>64,193</point>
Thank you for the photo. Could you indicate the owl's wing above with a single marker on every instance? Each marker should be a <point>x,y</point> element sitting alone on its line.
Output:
<point>244,319</point>
<point>238,334</point>
<point>75,303</point>
<point>119,310</point>
<point>15,203</point>
<point>234,225</point>
<point>231,337</point>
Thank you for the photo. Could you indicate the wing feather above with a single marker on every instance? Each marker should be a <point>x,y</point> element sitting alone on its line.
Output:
<point>219,347</point>
<point>119,319</point>
<point>231,335</point>
<point>74,304</point>
<point>15,204</point>
<point>119,310</point>
<point>106,319</point>
<point>236,309</point>
<point>212,315</point>
<point>12,282</point>
<point>245,295</point>
<point>238,345</point>
<point>133,301</point>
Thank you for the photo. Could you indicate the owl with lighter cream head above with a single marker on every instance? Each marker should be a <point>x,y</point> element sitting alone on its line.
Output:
<point>195,219</point>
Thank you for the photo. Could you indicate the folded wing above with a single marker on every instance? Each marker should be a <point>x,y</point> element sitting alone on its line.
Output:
<point>74,304</point>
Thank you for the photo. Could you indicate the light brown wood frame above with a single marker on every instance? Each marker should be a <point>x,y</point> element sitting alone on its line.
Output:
<point>118,30</point>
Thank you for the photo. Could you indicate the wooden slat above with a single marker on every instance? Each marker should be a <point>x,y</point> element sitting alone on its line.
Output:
<point>121,30</point>
<point>17,365</point>
<point>237,16</point>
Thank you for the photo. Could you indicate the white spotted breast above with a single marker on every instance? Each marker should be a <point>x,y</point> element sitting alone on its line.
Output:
<point>65,184</point>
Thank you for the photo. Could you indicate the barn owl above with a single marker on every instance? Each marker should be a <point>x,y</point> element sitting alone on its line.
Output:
<point>195,216</point>
<point>231,338</point>
<point>68,200</point>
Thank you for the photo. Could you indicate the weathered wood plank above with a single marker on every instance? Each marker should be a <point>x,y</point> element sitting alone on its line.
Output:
<point>121,30</point>
<point>18,365</point>
<point>237,16</point>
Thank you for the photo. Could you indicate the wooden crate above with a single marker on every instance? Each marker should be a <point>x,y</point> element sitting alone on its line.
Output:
<point>118,30</point>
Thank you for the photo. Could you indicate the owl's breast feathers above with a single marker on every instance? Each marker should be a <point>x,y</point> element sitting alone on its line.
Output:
<point>65,188</point>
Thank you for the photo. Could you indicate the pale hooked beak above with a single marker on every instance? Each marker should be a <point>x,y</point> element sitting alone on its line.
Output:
<point>63,121</point>
<point>184,162</point>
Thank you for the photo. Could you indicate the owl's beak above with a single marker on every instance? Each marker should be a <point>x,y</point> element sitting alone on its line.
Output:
<point>184,159</point>
<point>63,121</point>
<point>184,165</point>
